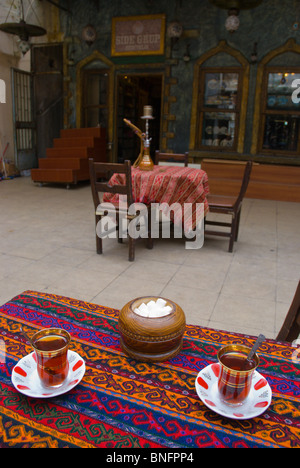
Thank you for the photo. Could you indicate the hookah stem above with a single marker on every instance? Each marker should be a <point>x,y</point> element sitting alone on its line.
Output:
<point>146,162</point>
<point>141,136</point>
<point>134,128</point>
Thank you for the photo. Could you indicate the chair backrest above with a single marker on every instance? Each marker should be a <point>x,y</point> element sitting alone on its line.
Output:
<point>245,182</point>
<point>290,329</point>
<point>172,157</point>
<point>100,175</point>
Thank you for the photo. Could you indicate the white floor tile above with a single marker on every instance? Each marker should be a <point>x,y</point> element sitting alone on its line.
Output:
<point>47,243</point>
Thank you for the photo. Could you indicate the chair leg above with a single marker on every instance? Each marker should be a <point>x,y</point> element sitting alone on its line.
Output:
<point>237,225</point>
<point>98,239</point>
<point>149,243</point>
<point>98,245</point>
<point>120,239</point>
<point>149,238</point>
<point>131,253</point>
<point>233,233</point>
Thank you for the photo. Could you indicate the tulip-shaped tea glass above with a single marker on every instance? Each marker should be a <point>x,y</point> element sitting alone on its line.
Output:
<point>51,350</point>
<point>236,373</point>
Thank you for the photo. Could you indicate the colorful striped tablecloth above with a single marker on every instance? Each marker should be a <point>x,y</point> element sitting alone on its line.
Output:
<point>123,403</point>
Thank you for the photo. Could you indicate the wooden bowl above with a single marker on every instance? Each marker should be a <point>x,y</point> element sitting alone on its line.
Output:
<point>151,339</point>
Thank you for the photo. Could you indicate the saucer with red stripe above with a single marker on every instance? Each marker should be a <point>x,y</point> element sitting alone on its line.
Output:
<point>26,380</point>
<point>256,403</point>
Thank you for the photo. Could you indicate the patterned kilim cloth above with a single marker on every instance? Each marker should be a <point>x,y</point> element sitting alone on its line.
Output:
<point>123,403</point>
<point>170,186</point>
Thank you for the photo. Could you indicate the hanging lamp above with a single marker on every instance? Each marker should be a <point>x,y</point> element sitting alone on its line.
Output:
<point>232,22</point>
<point>234,6</point>
<point>23,30</point>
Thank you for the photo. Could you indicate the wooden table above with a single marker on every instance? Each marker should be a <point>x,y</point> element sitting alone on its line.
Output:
<point>169,186</point>
<point>123,403</point>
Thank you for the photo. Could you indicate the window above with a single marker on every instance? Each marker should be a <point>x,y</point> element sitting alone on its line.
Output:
<point>219,109</point>
<point>280,112</point>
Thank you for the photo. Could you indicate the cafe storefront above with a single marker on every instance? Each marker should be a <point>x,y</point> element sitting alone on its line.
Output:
<point>211,96</point>
<point>218,92</point>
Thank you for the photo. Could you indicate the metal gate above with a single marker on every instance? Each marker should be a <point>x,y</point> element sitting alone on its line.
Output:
<point>24,122</point>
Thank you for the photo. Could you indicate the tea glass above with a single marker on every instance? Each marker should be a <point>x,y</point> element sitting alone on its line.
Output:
<point>234,385</point>
<point>52,364</point>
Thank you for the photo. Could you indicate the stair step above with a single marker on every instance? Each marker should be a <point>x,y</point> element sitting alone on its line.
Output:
<point>63,163</point>
<point>83,132</point>
<point>67,161</point>
<point>81,152</point>
<point>88,141</point>
<point>53,175</point>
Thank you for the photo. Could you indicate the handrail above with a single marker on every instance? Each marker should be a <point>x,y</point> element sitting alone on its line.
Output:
<point>45,111</point>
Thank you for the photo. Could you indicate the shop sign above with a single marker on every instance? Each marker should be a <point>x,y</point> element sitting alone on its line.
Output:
<point>138,35</point>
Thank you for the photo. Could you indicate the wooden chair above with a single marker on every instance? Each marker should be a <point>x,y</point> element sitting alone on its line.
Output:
<point>229,205</point>
<point>290,329</point>
<point>172,157</point>
<point>100,174</point>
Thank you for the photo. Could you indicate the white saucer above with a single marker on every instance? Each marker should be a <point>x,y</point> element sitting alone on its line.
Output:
<point>256,403</point>
<point>26,380</point>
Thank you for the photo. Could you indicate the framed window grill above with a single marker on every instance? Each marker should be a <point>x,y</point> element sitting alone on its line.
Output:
<point>219,108</point>
<point>280,112</point>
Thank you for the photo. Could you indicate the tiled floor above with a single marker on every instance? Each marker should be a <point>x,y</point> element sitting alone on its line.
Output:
<point>47,243</point>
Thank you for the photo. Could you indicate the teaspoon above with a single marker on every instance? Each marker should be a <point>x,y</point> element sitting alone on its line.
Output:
<point>255,347</point>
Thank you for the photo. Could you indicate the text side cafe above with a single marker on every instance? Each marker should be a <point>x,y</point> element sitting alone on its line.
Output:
<point>138,35</point>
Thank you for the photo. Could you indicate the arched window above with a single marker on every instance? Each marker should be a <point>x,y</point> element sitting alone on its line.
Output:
<point>276,130</point>
<point>220,100</point>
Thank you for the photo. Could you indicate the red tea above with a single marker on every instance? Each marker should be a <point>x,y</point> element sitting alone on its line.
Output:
<point>235,377</point>
<point>52,363</point>
<point>237,362</point>
<point>50,343</point>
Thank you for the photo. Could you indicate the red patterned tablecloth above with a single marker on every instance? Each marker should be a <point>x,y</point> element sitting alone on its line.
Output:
<point>172,186</point>
<point>123,403</point>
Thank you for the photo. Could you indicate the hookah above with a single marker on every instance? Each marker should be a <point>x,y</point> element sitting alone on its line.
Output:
<point>144,161</point>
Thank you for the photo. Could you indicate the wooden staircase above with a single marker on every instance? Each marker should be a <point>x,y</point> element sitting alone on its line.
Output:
<point>267,181</point>
<point>67,161</point>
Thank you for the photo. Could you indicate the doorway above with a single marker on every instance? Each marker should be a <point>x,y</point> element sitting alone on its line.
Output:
<point>95,98</point>
<point>133,93</point>
<point>47,68</point>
